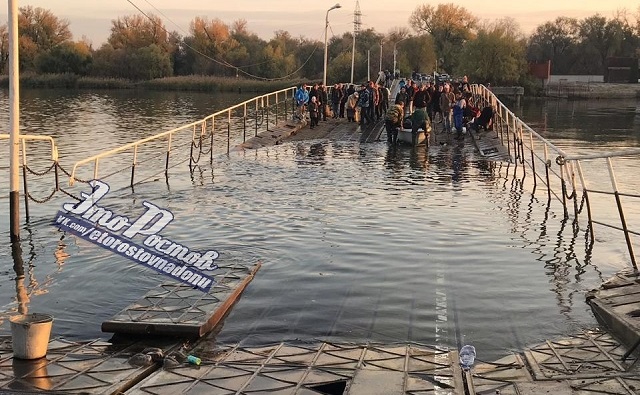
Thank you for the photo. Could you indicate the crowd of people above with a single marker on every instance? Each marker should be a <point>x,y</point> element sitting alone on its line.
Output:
<point>365,104</point>
<point>452,105</point>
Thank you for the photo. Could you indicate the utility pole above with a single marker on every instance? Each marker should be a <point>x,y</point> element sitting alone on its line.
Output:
<point>357,22</point>
<point>14,124</point>
<point>380,55</point>
<point>368,65</point>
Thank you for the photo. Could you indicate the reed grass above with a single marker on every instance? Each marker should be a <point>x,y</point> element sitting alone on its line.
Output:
<point>181,83</point>
<point>216,84</point>
<point>67,81</point>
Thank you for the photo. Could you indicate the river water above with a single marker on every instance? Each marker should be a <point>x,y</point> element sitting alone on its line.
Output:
<point>358,242</point>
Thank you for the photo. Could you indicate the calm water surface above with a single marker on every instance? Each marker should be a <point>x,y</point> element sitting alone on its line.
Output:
<point>359,242</point>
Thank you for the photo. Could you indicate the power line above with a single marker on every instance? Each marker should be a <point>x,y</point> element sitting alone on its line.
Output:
<point>223,62</point>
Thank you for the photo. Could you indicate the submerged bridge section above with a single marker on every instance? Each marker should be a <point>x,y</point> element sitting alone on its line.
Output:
<point>588,362</point>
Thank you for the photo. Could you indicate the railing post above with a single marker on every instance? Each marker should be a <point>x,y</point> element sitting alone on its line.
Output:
<point>276,108</point>
<point>133,165</point>
<point>586,200</point>
<point>191,153</point>
<point>508,136</point>
<point>547,165</point>
<point>57,175</point>
<point>293,105</point>
<point>24,180</point>
<point>228,137</point>
<point>256,112</point>
<point>563,185</point>
<point>533,163</point>
<point>166,162</point>
<point>623,221</point>
<point>502,121</point>
<point>213,129</point>
<point>244,124</point>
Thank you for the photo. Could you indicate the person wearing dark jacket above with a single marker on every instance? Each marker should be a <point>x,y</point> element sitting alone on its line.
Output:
<point>393,121</point>
<point>421,98</point>
<point>403,97</point>
<point>314,111</point>
<point>323,101</point>
<point>336,98</point>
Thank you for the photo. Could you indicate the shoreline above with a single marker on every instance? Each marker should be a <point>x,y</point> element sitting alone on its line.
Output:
<point>193,83</point>
<point>591,90</point>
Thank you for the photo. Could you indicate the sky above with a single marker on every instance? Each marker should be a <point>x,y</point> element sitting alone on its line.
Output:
<point>92,18</point>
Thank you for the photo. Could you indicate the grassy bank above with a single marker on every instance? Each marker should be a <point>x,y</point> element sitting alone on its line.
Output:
<point>216,84</point>
<point>182,83</point>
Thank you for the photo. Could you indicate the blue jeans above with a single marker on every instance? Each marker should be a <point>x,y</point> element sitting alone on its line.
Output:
<point>446,121</point>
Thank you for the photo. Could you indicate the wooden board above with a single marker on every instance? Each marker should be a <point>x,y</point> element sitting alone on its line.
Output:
<point>174,309</point>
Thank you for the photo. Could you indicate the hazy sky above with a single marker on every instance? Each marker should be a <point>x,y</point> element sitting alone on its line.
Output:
<point>92,18</point>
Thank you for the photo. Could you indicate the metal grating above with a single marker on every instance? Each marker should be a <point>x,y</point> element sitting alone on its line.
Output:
<point>175,309</point>
<point>313,369</point>
<point>500,376</point>
<point>94,367</point>
<point>490,147</point>
<point>590,354</point>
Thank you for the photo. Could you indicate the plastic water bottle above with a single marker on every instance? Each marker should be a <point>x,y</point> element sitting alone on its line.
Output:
<point>467,356</point>
<point>194,360</point>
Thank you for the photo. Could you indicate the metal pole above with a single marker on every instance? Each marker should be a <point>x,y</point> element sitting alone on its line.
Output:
<point>353,56</point>
<point>326,49</point>
<point>623,221</point>
<point>380,55</point>
<point>14,124</point>
<point>326,27</point>
<point>368,65</point>
<point>395,53</point>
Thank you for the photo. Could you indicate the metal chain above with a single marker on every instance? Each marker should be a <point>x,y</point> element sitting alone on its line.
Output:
<point>35,173</point>
<point>43,200</point>
<point>582,201</point>
<point>69,175</point>
<point>199,155</point>
<point>69,194</point>
<point>564,191</point>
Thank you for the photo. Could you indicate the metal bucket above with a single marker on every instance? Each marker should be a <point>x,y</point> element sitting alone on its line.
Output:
<point>30,335</point>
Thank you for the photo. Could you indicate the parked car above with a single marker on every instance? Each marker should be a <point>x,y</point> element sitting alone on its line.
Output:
<point>443,78</point>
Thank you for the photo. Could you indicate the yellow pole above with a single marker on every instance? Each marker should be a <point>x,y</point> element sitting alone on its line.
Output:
<point>14,123</point>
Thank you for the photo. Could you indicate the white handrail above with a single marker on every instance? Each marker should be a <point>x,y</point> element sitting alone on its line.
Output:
<point>227,111</point>
<point>54,148</point>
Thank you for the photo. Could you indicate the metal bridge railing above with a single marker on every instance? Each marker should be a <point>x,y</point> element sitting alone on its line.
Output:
<point>562,172</point>
<point>257,113</point>
<point>24,138</point>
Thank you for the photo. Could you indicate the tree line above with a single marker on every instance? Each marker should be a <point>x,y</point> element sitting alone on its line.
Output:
<point>445,37</point>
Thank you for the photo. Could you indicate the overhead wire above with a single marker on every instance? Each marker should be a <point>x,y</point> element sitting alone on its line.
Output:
<point>220,62</point>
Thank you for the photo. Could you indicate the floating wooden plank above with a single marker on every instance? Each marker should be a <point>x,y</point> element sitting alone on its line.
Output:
<point>174,309</point>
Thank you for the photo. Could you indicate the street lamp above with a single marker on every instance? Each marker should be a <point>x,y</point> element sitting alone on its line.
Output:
<point>395,52</point>
<point>326,26</point>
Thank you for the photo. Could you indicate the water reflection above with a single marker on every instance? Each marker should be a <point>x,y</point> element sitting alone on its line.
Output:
<point>32,372</point>
<point>458,228</point>
<point>22,296</point>
<point>313,154</point>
